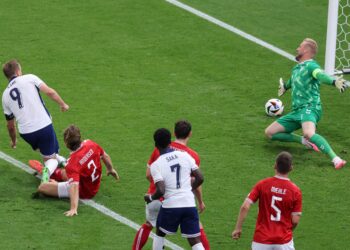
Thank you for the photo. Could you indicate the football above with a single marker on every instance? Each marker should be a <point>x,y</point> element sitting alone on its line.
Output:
<point>274,107</point>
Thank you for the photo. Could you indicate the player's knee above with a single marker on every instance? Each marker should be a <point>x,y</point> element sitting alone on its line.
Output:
<point>268,133</point>
<point>307,135</point>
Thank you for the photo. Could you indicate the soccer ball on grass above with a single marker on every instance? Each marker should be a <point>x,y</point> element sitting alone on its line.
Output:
<point>274,107</point>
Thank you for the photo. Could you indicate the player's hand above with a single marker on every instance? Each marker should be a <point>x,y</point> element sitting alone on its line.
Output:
<point>71,213</point>
<point>341,84</point>
<point>201,207</point>
<point>147,198</point>
<point>236,234</point>
<point>64,107</point>
<point>281,89</point>
<point>113,173</point>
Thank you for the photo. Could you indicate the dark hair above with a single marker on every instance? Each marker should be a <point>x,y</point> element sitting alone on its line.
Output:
<point>284,162</point>
<point>182,129</point>
<point>10,68</point>
<point>72,137</point>
<point>162,138</point>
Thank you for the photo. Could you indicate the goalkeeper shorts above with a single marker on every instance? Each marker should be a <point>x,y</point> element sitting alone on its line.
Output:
<point>293,120</point>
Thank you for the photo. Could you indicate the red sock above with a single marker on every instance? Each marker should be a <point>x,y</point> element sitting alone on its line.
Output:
<point>141,237</point>
<point>204,240</point>
<point>57,175</point>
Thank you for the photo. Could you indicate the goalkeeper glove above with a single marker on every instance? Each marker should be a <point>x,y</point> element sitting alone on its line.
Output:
<point>341,84</point>
<point>281,88</point>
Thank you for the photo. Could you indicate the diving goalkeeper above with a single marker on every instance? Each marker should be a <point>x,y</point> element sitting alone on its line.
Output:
<point>306,111</point>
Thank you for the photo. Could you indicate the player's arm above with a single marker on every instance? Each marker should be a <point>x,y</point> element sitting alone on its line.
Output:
<point>199,196</point>
<point>11,127</point>
<point>340,83</point>
<point>236,234</point>
<point>295,220</point>
<point>160,190</point>
<point>148,174</point>
<point>50,92</point>
<point>198,179</point>
<point>108,163</point>
<point>283,86</point>
<point>74,199</point>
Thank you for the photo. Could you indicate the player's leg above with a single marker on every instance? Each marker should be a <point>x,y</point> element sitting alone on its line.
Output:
<point>167,223</point>
<point>310,118</point>
<point>281,130</point>
<point>55,189</point>
<point>203,237</point>
<point>190,227</point>
<point>141,237</point>
<point>158,240</point>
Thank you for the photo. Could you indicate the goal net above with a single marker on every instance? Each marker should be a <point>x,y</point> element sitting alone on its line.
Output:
<point>338,37</point>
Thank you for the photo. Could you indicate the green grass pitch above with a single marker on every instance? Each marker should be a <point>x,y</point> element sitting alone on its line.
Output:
<point>127,67</point>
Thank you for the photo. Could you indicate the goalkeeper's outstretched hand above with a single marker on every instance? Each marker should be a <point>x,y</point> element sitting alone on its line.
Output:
<point>281,88</point>
<point>341,84</point>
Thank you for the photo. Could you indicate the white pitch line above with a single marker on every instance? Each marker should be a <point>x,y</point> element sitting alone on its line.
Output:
<point>232,29</point>
<point>104,210</point>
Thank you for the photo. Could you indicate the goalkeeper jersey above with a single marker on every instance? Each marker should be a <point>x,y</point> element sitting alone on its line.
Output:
<point>305,86</point>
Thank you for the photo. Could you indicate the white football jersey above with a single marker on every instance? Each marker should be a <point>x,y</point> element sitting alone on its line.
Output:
<point>174,168</point>
<point>22,100</point>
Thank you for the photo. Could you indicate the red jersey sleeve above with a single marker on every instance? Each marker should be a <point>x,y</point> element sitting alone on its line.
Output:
<point>72,171</point>
<point>154,156</point>
<point>253,196</point>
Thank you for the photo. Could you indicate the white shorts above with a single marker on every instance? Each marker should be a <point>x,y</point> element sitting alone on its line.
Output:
<point>63,189</point>
<point>287,246</point>
<point>152,210</point>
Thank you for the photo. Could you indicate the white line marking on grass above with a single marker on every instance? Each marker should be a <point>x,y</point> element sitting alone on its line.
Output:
<point>232,29</point>
<point>90,203</point>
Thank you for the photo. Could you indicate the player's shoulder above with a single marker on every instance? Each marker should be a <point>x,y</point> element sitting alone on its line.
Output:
<point>312,64</point>
<point>186,149</point>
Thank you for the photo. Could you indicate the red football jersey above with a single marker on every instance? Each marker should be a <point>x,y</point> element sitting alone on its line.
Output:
<point>279,199</point>
<point>175,146</point>
<point>84,166</point>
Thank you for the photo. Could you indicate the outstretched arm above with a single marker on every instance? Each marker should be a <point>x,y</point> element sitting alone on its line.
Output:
<point>74,199</point>
<point>50,92</point>
<point>236,234</point>
<point>108,162</point>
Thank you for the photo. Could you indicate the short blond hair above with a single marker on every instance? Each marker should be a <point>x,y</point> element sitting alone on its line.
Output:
<point>312,45</point>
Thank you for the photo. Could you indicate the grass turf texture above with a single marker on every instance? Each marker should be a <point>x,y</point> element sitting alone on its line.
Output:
<point>128,67</point>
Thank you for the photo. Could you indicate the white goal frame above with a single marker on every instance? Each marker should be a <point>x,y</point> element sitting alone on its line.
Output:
<point>331,36</point>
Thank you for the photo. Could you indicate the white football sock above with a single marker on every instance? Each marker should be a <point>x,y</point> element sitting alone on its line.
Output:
<point>158,243</point>
<point>51,165</point>
<point>60,159</point>
<point>336,160</point>
<point>198,246</point>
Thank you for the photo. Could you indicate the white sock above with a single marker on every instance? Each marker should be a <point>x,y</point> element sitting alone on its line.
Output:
<point>158,243</point>
<point>198,246</point>
<point>51,165</point>
<point>60,159</point>
<point>336,160</point>
<point>304,141</point>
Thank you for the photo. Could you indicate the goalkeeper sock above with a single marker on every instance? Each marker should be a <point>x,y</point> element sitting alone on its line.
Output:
<point>323,145</point>
<point>287,137</point>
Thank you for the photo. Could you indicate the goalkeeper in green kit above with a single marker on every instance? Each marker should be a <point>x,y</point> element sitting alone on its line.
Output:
<point>306,111</point>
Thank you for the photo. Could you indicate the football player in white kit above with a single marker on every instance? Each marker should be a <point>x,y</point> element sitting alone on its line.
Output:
<point>22,102</point>
<point>172,173</point>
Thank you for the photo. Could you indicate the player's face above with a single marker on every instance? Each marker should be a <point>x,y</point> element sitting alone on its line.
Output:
<point>300,51</point>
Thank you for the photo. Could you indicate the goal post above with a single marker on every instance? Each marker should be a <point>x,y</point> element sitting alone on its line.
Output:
<point>337,59</point>
<point>331,36</point>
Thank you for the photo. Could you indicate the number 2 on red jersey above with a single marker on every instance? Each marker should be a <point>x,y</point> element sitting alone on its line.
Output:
<point>93,177</point>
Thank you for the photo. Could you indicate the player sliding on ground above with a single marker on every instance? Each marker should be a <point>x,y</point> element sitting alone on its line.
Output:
<point>82,172</point>
<point>306,103</point>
